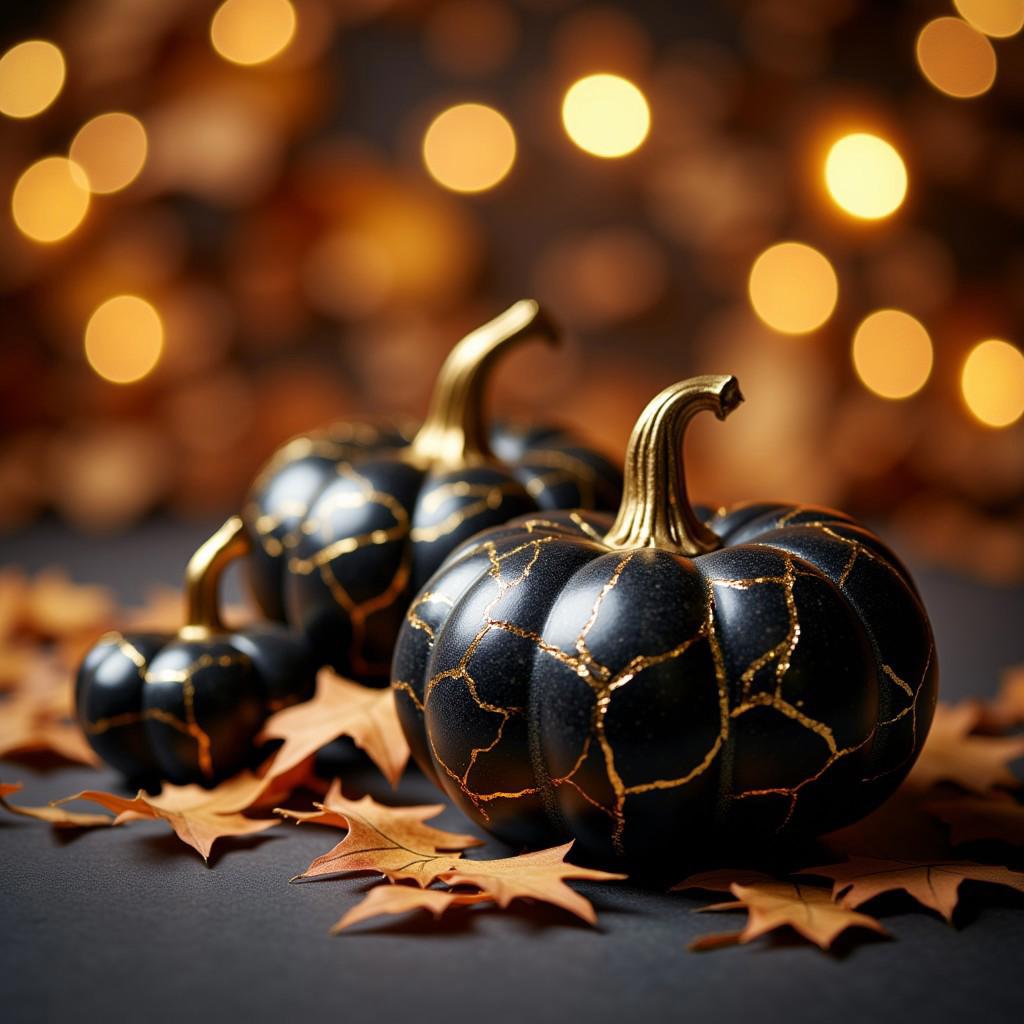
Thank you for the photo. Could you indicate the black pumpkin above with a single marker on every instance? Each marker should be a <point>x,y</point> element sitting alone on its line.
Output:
<point>348,524</point>
<point>657,683</point>
<point>187,707</point>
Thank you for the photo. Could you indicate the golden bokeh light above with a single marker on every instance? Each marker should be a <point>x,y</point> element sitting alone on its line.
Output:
<point>111,149</point>
<point>124,338</point>
<point>892,353</point>
<point>793,287</point>
<point>252,31</point>
<point>50,199</point>
<point>992,382</point>
<point>865,175</point>
<point>997,18</point>
<point>606,115</point>
<point>469,147</point>
<point>957,59</point>
<point>31,77</point>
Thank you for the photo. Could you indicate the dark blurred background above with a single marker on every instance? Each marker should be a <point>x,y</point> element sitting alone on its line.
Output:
<point>225,224</point>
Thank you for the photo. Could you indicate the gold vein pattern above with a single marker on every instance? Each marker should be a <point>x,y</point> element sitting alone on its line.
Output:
<point>472,763</point>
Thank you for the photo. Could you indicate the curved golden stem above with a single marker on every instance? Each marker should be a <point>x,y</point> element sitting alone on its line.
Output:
<point>202,578</point>
<point>655,511</point>
<point>454,431</point>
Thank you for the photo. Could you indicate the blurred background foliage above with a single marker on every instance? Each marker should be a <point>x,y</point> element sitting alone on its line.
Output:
<point>228,223</point>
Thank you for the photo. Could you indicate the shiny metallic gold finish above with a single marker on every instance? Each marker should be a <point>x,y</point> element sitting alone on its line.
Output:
<point>655,510</point>
<point>453,433</point>
<point>202,579</point>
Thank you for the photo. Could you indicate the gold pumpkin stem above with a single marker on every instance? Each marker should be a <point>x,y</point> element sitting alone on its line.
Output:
<point>454,432</point>
<point>655,511</point>
<point>202,579</point>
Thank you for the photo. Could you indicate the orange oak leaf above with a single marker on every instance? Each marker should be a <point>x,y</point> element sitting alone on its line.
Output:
<point>53,815</point>
<point>198,816</point>
<point>952,754</point>
<point>973,818</point>
<point>340,708</point>
<point>934,885</point>
<point>401,899</point>
<point>808,910</point>
<point>391,840</point>
<point>535,876</point>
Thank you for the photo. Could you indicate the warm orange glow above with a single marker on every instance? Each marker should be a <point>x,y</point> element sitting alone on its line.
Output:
<point>992,382</point>
<point>469,147</point>
<point>865,175</point>
<point>124,339</point>
<point>50,199</point>
<point>111,149</point>
<point>957,59</point>
<point>793,287</point>
<point>998,18</point>
<point>252,31</point>
<point>606,115</point>
<point>892,353</point>
<point>31,77</point>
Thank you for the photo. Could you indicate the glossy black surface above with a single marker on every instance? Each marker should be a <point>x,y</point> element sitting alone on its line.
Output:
<point>347,527</point>
<point>160,708</point>
<point>640,700</point>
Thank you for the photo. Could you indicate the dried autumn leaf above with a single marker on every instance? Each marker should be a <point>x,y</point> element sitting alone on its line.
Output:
<point>806,909</point>
<point>340,708</point>
<point>535,876</point>
<point>37,716</point>
<point>952,754</point>
<point>934,885</point>
<point>198,816</point>
<point>972,819</point>
<point>401,899</point>
<point>392,840</point>
<point>52,815</point>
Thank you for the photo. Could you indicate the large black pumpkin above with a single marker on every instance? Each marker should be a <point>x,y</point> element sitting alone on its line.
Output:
<point>187,707</point>
<point>348,524</point>
<point>659,683</point>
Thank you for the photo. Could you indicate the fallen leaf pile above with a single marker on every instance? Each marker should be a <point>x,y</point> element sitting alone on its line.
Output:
<point>396,843</point>
<point>961,801</point>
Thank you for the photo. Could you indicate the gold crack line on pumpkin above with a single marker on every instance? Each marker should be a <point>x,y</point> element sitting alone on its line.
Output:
<point>585,528</point>
<point>359,612</point>
<point>103,725</point>
<point>913,719</point>
<point>793,792</point>
<point>707,629</point>
<point>570,467</point>
<point>461,671</point>
<point>403,686</point>
<point>782,652</point>
<point>778,703</point>
<point>491,497</point>
<point>427,597</point>
<point>184,677</point>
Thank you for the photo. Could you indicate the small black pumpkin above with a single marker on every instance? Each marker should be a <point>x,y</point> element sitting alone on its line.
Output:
<point>658,682</point>
<point>187,707</point>
<point>349,523</point>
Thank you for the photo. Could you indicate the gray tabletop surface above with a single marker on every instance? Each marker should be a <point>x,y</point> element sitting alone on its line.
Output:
<point>130,925</point>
